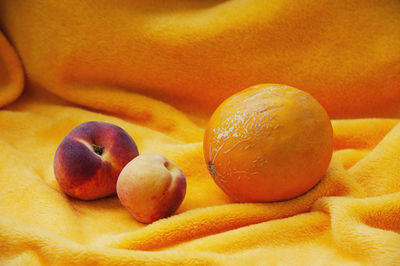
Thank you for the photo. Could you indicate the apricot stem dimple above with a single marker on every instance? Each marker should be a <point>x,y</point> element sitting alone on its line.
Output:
<point>167,165</point>
<point>98,149</point>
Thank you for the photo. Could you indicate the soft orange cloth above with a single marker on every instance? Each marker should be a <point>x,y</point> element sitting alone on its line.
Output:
<point>158,69</point>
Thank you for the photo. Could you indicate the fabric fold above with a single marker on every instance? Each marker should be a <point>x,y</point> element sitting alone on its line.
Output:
<point>11,73</point>
<point>158,69</point>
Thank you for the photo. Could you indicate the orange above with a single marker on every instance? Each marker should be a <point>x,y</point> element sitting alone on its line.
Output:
<point>269,142</point>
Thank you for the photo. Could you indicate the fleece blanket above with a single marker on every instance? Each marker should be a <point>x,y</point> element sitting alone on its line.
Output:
<point>158,69</point>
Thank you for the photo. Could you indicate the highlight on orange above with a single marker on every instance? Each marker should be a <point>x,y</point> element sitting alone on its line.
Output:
<point>269,142</point>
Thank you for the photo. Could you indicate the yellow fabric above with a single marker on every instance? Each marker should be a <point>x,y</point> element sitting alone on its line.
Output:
<point>158,69</point>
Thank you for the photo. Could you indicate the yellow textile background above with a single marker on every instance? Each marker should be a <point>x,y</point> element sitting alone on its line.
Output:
<point>158,69</point>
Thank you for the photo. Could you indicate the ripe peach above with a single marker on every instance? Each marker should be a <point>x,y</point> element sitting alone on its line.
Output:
<point>89,159</point>
<point>151,187</point>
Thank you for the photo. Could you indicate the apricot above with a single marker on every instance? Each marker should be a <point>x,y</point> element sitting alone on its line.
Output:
<point>151,187</point>
<point>269,142</point>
